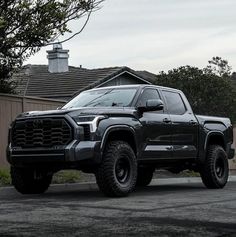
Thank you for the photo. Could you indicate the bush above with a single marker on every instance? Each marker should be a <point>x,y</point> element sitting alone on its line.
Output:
<point>5,178</point>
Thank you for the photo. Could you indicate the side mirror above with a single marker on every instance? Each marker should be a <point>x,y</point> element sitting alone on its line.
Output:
<point>152,105</point>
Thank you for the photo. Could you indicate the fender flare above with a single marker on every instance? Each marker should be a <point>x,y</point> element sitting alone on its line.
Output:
<point>203,149</point>
<point>113,128</point>
<point>212,133</point>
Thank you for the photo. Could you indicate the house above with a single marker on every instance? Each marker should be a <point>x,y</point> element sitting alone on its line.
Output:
<point>58,80</point>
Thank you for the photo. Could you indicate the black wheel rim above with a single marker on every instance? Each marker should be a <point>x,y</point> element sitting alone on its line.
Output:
<point>122,170</point>
<point>220,167</point>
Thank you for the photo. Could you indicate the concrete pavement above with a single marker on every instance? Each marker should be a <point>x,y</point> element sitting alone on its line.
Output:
<point>167,209</point>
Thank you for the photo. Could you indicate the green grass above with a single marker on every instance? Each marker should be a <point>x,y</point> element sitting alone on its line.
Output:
<point>189,173</point>
<point>64,176</point>
<point>67,176</point>
<point>5,178</point>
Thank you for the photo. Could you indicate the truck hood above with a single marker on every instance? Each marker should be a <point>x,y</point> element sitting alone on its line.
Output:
<point>110,111</point>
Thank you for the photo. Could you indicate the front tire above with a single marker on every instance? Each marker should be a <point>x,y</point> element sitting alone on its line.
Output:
<point>26,181</point>
<point>215,171</point>
<point>117,174</point>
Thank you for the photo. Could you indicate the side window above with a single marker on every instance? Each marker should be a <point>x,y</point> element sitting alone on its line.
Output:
<point>148,94</point>
<point>174,102</point>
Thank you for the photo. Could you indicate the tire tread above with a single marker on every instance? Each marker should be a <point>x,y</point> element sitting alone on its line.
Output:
<point>24,182</point>
<point>104,175</point>
<point>207,170</point>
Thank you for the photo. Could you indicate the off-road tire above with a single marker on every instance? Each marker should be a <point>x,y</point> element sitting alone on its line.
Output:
<point>117,174</point>
<point>25,182</point>
<point>215,171</point>
<point>144,177</point>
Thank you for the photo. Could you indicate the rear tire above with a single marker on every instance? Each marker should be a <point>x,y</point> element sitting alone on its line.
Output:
<point>144,177</point>
<point>117,174</point>
<point>26,182</point>
<point>215,171</point>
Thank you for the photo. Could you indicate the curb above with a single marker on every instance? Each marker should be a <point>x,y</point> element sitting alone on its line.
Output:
<point>86,186</point>
<point>164,181</point>
<point>89,186</point>
<point>184,180</point>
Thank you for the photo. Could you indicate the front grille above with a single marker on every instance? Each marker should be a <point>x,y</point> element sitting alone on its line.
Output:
<point>45,132</point>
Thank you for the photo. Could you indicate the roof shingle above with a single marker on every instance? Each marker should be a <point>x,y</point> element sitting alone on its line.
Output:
<point>35,80</point>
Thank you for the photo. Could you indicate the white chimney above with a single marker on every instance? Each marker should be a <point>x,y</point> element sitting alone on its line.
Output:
<point>58,59</point>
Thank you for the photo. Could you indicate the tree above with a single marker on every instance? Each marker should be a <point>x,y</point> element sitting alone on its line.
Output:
<point>28,25</point>
<point>219,66</point>
<point>208,93</point>
<point>6,84</point>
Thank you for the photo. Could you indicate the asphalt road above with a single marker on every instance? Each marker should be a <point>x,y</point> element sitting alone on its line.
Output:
<point>160,210</point>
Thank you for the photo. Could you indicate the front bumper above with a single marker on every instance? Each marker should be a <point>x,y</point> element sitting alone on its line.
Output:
<point>74,153</point>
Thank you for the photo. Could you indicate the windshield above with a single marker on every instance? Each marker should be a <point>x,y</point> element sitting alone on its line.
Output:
<point>103,98</point>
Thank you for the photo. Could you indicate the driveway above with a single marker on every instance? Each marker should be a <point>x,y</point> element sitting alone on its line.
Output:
<point>184,209</point>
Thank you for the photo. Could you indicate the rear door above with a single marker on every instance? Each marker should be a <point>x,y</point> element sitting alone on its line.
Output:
<point>184,125</point>
<point>156,129</point>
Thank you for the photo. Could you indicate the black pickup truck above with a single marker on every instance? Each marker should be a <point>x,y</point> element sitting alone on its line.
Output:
<point>121,134</point>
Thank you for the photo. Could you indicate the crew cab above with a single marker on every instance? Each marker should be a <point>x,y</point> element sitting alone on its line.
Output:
<point>122,135</point>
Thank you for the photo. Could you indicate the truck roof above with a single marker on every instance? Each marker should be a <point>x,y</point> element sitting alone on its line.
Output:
<point>135,86</point>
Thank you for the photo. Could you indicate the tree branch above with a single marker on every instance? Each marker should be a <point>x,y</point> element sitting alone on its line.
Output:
<point>78,32</point>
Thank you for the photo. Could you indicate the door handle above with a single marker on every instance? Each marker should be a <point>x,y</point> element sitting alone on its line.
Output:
<point>192,122</point>
<point>166,120</point>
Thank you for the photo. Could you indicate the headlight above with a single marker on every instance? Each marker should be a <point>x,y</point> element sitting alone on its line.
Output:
<point>92,120</point>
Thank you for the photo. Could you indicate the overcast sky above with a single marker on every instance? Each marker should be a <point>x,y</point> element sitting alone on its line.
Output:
<point>154,35</point>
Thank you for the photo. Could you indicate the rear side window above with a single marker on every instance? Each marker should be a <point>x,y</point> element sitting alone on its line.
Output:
<point>174,102</point>
<point>148,94</point>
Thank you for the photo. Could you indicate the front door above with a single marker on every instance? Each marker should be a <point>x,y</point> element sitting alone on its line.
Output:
<point>156,129</point>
